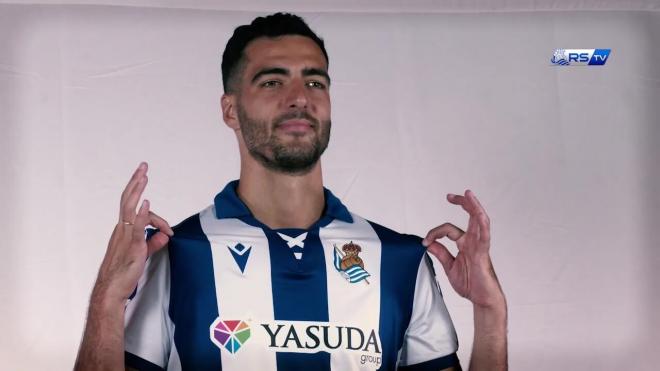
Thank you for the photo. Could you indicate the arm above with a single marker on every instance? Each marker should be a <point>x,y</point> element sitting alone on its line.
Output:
<point>489,349</point>
<point>471,274</point>
<point>102,347</point>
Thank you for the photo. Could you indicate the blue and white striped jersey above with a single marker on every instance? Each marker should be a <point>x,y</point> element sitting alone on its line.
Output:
<point>229,293</point>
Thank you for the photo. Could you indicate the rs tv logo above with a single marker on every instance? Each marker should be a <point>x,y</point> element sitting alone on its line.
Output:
<point>580,57</point>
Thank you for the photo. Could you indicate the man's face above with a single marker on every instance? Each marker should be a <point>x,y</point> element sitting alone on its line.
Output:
<point>283,103</point>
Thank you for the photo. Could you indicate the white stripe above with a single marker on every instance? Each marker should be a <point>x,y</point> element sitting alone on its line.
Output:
<point>352,304</point>
<point>174,363</point>
<point>244,296</point>
<point>431,333</point>
<point>148,332</point>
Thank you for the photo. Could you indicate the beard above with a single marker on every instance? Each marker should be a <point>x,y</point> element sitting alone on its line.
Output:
<point>297,157</point>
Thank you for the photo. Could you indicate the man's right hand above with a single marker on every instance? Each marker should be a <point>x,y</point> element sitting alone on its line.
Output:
<point>102,347</point>
<point>128,250</point>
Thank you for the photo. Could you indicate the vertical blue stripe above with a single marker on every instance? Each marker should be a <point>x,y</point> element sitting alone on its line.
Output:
<point>300,292</point>
<point>399,262</point>
<point>193,303</point>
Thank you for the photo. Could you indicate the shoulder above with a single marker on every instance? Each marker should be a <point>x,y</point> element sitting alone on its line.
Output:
<point>189,233</point>
<point>389,235</point>
<point>393,241</point>
<point>192,227</point>
<point>399,252</point>
<point>189,227</point>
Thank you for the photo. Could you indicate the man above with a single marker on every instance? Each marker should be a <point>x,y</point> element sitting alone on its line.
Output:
<point>277,274</point>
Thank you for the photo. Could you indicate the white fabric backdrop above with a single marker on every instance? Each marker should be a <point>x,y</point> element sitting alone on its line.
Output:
<point>564,159</point>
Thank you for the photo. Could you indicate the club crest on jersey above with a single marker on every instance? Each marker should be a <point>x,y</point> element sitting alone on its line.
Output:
<point>229,334</point>
<point>349,264</point>
<point>240,253</point>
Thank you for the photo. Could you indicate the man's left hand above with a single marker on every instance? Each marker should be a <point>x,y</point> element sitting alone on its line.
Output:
<point>471,271</point>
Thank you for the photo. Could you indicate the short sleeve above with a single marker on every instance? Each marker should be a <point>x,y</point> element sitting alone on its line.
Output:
<point>148,327</point>
<point>430,341</point>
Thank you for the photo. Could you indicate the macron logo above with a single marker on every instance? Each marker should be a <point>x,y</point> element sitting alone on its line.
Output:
<point>241,255</point>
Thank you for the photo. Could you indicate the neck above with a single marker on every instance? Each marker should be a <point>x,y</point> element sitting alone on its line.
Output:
<point>281,200</point>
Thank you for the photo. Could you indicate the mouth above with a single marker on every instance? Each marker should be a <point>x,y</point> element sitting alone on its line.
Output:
<point>295,126</point>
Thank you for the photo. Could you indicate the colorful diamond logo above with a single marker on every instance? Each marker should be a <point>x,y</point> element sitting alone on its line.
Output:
<point>229,334</point>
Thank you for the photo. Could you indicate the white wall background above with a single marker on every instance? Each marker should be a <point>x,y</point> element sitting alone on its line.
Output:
<point>428,98</point>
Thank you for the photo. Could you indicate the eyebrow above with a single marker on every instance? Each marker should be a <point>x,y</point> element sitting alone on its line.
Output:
<point>316,72</point>
<point>285,72</point>
<point>270,71</point>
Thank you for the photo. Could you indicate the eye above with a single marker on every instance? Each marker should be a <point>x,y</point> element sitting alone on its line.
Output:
<point>316,84</point>
<point>270,84</point>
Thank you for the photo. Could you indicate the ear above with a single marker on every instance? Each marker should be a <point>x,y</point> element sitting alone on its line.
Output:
<point>229,113</point>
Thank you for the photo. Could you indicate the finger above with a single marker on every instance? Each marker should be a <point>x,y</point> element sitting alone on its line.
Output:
<point>157,242</point>
<point>484,230</point>
<point>444,230</point>
<point>455,199</point>
<point>160,224</point>
<point>141,221</point>
<point>128,207</point>
<point>459,200</point>
<point>441,252</point>
<point>473,199</point>
<point>474,203</point>
<point>473,229</point>
<point>481,216</point>
<point>137,174</point>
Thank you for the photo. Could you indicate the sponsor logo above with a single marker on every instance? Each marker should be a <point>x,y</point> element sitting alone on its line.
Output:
<point>580,57</point>
<point>299,337</point>
<point>349,264</point>
<point>229,334</point>
<point>320,336</point>
<point>240,253</point>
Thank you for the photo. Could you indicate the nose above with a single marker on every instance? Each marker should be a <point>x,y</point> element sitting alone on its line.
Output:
<point>297,97</point>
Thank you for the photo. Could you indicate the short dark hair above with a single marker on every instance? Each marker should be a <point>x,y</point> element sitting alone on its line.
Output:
<point>274,25</point>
